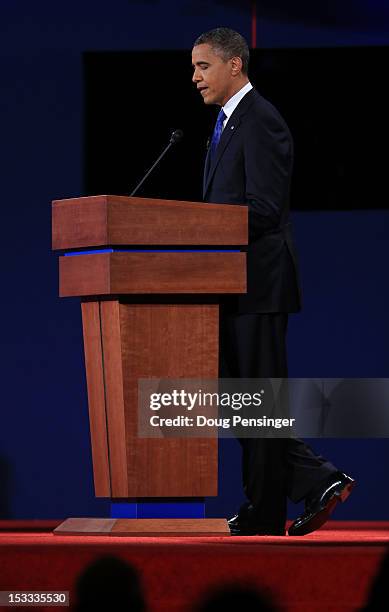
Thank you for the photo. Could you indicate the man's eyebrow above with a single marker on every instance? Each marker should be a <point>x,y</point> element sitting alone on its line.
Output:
<point>201,63</point>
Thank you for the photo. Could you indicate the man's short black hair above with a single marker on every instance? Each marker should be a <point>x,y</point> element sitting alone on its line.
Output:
<point>227,43</point>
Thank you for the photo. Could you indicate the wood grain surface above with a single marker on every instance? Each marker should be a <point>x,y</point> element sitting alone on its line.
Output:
<point>144,527</point>
<point>168,341</point>
<point>96,397</point>
<point>114,396</point>
<point>147,341</point>
<point>118,220</point>
<point>125,273</point>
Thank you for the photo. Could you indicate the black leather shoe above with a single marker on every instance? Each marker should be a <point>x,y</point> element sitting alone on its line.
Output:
<point>319,507</point>
<point>241,527</point>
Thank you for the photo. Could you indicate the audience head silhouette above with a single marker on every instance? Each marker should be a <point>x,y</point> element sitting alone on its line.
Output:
<point>109,584</point>
<point>379,590</point>
<point>242,598</point>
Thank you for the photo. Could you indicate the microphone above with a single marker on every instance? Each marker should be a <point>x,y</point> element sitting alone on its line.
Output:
<point>175,137</point>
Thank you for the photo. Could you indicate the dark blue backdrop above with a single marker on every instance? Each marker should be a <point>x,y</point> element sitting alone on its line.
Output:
<point>45,465</point>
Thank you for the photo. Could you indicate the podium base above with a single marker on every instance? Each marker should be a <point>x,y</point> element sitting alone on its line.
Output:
<point>143,527</point>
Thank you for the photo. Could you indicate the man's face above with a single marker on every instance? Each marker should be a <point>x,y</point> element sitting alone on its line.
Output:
<point>213,76</point>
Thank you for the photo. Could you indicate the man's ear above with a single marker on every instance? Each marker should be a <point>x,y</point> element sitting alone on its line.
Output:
<point>236,65</point>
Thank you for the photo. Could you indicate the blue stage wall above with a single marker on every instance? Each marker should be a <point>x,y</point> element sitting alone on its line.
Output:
<point>45,465</point>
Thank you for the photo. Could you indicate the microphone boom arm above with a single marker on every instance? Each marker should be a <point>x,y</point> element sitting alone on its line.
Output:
<point>175,137</point>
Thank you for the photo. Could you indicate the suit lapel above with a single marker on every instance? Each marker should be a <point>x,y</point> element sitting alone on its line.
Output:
<point>206,169</point>
<point>228,132</point>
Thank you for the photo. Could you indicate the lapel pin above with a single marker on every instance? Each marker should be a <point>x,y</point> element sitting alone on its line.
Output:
<point>232,127</point>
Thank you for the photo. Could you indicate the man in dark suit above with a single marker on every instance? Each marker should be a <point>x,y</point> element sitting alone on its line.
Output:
<point>249,162</point>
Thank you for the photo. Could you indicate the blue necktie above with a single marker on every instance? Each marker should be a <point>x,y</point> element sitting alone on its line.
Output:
<point>217,132</point>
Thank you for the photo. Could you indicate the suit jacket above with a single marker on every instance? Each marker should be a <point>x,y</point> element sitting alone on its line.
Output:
<point>252,166</point>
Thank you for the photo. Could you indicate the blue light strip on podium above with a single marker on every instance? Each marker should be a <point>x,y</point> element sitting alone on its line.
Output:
<point>138,510</point>
<point>75,253</point>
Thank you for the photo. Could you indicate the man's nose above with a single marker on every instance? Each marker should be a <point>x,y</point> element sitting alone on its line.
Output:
<point>196,76</point>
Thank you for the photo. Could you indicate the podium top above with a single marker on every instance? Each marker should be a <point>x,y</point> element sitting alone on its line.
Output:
<point>109,220</point>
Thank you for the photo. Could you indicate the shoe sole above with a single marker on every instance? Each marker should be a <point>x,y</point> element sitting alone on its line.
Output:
<point>323,516</point>
<point>269,534</point>
<point>257,532</point>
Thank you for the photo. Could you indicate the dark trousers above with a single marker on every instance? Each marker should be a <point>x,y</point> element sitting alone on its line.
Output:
<point>254,346</point>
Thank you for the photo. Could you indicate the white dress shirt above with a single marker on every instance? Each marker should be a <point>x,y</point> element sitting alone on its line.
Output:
<point>233,102</point>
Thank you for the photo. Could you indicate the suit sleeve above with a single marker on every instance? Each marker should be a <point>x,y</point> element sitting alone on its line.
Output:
<point>268,162</point>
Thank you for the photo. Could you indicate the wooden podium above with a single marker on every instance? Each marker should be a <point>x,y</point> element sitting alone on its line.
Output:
<point>149,273</point>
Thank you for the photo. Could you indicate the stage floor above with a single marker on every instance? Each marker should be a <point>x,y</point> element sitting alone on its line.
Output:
<point>329,570</point>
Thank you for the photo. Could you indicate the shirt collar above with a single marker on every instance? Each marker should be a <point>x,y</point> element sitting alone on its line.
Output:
<point>233,102</point>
